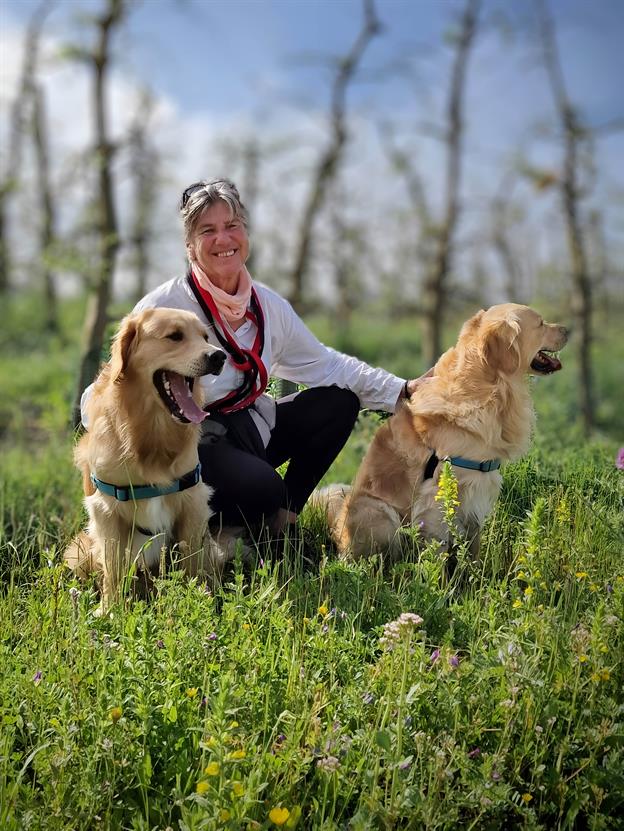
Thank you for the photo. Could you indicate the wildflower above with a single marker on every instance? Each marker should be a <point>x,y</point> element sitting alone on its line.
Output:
<point>329,764</point>
<point>619,459</point>
<point>323,610</point>
<point>395,629</point>
<point>238,788</point>
<point>582,659</point>
<point>212,636</point>
<point>235,755</point>
<point>605,675</point>
<point>368,698</point>
<point>246,627</point>
<point>160,644</point>
<point>37,678</point>
<point>474,753</point>
<point>212,769</point>
<point>434,656</point>
<point>581,575</point>
<point>595,676</point>
<point>526,798</point>
<point>279,815</point>
<point>517,603</point>
<point>202,787</point>
<point>454,661</point>
<point>191,692</point>
<point>521,575</point>
<point>609,588</point>
<point>496,775</point>
<point>233,725</point>
<point>325,629</point>
<point>115,714</point>
<point>611,620</point>
<point>405,763</point>
<point>224,815</point>
<point>528,591</point>
<point>306,621</point>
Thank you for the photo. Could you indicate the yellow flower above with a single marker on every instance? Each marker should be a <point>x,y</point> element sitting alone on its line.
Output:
<point>233,725</point>
<point>521,575</point>
<point>604,648</point>
<point>191,692</point>
<point>202,787</point>
<point>322,610</point>
<point>224,815</point>
<point>528,591</point>
<point>582,659</point>
<point>211,741</point>
<point>537,573</point>
<point>212,769</point>
<point>595,676</point>
<point>582,575</point>
<point>306,620</point>
<point>115,714</point>
<point>543,585</point>
<point>246,626</point>
<point>593,587</point>
<point>237,754</point>
<point>238,788</point>
<point>279,815</point>
<point>526,797</point>
<point>605,675</point>
<point>517,603</point>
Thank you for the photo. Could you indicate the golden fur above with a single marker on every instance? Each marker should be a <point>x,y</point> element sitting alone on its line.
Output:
<point>133,438</point>
<point>476,405</point>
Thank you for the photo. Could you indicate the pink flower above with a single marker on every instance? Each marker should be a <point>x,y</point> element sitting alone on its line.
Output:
<point>619,459</point>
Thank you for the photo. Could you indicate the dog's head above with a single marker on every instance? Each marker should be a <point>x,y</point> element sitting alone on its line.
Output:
<point>166,349</point>
<point>511,338</point>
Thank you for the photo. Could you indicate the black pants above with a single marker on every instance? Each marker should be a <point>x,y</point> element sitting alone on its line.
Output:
<point>311,428</point>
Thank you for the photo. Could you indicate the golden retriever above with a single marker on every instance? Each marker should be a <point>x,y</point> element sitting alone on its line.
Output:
<point>143,416</point>
<point>475,406</point>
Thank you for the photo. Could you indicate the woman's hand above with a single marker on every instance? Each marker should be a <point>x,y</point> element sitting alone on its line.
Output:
<point>410,387</point>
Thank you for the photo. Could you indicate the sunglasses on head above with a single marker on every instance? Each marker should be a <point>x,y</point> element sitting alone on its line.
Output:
<point>188,192</point>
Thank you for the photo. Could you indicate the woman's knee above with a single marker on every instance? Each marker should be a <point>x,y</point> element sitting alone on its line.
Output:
<point>343,404</point>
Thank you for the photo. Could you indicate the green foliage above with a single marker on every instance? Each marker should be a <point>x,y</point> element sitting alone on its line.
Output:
<point>313,700</point>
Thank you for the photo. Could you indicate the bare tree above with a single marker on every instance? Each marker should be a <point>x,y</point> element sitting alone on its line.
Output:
<point>9,181</point>
<point>330,158</point>
<point>144,166</point>
<point>47,235</point>
<point>436,289</point>
<point>502,217</point>
<point>108,242</point>
<point>574,135</point>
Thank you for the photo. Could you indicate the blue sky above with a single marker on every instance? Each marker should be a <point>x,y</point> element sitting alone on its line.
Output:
<point>223,69</point>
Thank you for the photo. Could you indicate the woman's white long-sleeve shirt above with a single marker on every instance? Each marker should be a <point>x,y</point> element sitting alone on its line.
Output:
<point>291,352</point>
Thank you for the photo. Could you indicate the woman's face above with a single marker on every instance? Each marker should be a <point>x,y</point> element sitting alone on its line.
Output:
<point>220,245</point>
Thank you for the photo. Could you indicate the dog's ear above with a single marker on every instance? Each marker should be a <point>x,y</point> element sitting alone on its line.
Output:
<point>500,347</point>
<point>122,347</point>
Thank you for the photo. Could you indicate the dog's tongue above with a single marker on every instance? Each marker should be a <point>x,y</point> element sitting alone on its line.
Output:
<point>181,392</point>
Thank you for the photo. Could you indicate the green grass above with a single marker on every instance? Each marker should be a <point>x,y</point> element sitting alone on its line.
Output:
<point>284,690</point>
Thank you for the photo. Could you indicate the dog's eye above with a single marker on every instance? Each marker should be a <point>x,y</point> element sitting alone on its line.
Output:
<point>176,336</point>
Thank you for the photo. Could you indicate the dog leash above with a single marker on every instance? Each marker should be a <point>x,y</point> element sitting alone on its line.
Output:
<point>127,493</point>
<point>459,461</point>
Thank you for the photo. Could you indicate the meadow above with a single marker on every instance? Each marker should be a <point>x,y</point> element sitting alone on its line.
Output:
<point>362,696</point>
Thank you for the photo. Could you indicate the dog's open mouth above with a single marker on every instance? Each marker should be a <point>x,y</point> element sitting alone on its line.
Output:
<point>176,392</point>
<point>544,363</point>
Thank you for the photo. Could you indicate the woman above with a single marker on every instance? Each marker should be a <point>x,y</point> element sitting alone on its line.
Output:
<point>249,434</point>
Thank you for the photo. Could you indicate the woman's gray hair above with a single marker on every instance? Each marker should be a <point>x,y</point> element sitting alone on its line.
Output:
<point>196,198</point>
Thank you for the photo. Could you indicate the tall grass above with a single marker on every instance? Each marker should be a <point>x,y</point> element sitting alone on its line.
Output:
<point>285,698</point>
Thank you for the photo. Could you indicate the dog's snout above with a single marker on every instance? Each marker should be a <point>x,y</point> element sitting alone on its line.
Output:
<point>215,361</point>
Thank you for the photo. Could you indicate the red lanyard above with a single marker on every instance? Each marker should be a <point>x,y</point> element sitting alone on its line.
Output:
<point>248,361</point>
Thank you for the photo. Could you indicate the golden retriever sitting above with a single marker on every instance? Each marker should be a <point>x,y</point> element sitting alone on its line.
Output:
<point>476,408</point>
<point>139,459</point>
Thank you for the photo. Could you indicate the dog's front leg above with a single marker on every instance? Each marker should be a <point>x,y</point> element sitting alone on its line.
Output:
<point>113,554</point>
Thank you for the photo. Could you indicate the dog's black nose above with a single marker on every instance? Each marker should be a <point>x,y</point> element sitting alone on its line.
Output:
<point>216,361</point>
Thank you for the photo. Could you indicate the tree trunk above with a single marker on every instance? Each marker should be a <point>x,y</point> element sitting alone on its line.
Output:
<point>48,219</point>
<point>581,300</point>
<point>97,312</point>
<point>436,289</point>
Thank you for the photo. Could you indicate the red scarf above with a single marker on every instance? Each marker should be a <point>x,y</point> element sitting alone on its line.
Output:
<point>248,361</point>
